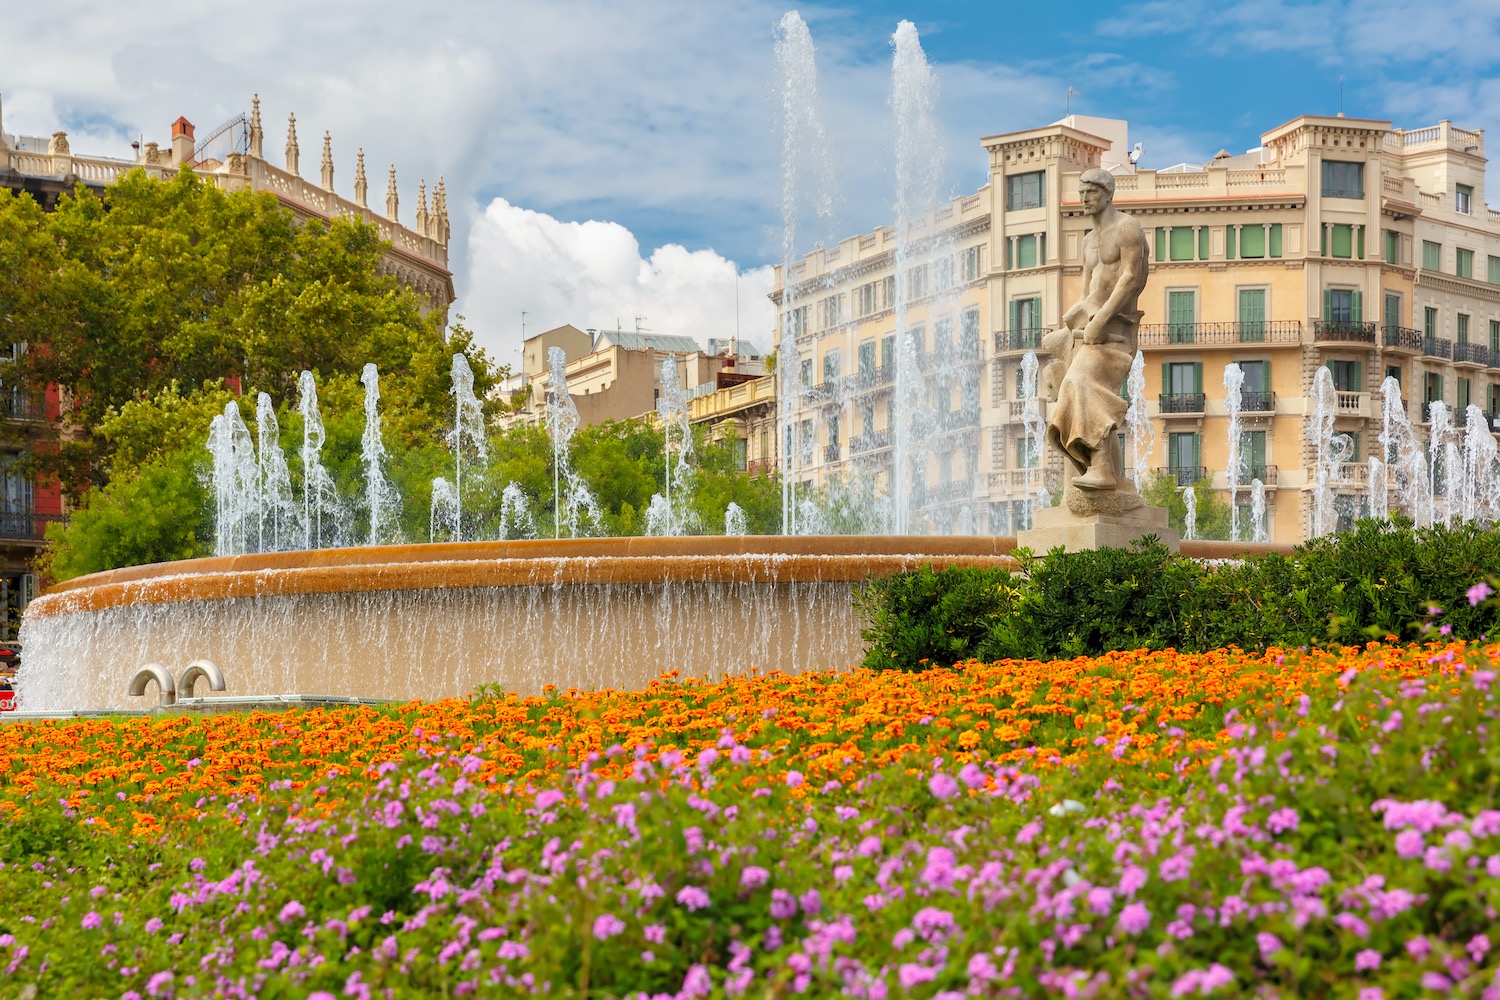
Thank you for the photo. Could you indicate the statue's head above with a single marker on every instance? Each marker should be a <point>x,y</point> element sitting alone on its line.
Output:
<point>1096,188</point>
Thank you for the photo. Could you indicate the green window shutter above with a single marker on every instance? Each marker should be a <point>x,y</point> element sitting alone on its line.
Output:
<point>1327,303</point>
<point>1359,376</point>
<point>1252,242</point>
<point>1393,310</point>
<point>1229,242</point>
<point>1343,241</point>
<point>1322,241</point>
<point>1197,450</point>
<point>1203,243</point>
<point>1275,240</point>
<point>1356,308</point>
<point>1181,243</point>
<point>1198,376</point>
<point>1008,264</point>
<point>1166,379</point>
<point>1252,314</point>
<point>1161,243</point>
<point>1359,246</point>
<point>1440,394</point>
<point>1015,314</point>
<point>1041,249</point>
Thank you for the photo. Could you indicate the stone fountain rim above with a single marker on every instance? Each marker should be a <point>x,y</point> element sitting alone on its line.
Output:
<point>750,559</point>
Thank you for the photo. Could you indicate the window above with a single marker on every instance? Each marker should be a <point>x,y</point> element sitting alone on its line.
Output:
<point>1494,406</point>
<point>1182,387</point>
<point>1341,305</point>
<point>942,337</point>
<point>1463,330</point>
<point>1024,191</point>
<point>969,333</point>
<point>1392,246</point>
<point>807,370</point>
<point>970,261</point>
<point>1028,453</point>
<point>1463,263</point>
<point>1463,199</point>
<point>831,366</point>
<point>1392,309</point>
<point>1257,376</point>
<point>1343,180</point>
<point>1252,456</point>
<point>1341,241</point>
<point>916,283</point>
<point>1026,315</point>
<point>806,439</point>
<point>1182,457</point>
<point>1027,248</point>
<point>888,292</point>
<point>943,267</point>
<point>1348,376</point>
<point>917,337</point>
<point>1494,271</point>
<point>1252,310</point>
<point>741,453</point>
<point>833,437</point>
<point>1494,337</point>
<point>864,299</point>
<point>1463,397</point>
<point>1252,242</point>
<point>832,310</point>
<point>888,350</point>
<point>1182,309</point>
<point>1393,371</point>
<point>15,489</point>
<point>799,321</point>
<point>867,420</point>
<point>1432,255</point>
<point>1180,242</point>
<point>1429,322</point>
<point>867,357</point>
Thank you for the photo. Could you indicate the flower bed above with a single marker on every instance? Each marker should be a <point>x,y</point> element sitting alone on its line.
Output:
<point>1139,824</point>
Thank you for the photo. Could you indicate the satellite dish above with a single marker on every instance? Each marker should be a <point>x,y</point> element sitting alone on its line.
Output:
<point>1135,152</point>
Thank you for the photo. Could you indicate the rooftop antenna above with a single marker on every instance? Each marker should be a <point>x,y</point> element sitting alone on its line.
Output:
<point>1068,100</point>
<point>638,318</point>
<point>523,325</point>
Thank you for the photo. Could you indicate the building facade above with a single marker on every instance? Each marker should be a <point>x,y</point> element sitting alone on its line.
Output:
<point>1337,242</point>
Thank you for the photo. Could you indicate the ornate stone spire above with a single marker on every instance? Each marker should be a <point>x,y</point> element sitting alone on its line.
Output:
<point>327,161</point>
<point>257,135</point>
<point>391,201</point>
<point>440,213</point>
<point>361,185</point>
<point>422,207</point>
<point>291,146</point>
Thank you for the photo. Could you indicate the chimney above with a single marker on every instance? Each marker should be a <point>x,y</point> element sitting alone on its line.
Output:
<point>182,141</point>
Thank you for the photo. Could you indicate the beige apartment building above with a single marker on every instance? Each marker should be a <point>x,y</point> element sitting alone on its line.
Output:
<point>1335,242</point>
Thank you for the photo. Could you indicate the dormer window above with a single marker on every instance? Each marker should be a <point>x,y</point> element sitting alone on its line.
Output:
<point>1463,199</point>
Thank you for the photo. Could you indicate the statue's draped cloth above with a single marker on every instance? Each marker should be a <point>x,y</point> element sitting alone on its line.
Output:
<point>1089,406</point>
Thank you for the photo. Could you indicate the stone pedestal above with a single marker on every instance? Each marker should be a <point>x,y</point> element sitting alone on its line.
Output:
<point>1054,526</point>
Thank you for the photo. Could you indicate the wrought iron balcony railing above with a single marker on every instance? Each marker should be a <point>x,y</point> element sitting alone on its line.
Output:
<point>1018,340</point>
<point>1344,331</point>
<point>27,524</point>
<point>1182,402</point>
<point>1402,338</point>
<point>1257,402</point>
<point>1184,475</point>
<point>1212,334</point>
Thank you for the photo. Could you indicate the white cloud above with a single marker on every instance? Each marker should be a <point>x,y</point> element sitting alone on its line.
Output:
<point>593,274</point>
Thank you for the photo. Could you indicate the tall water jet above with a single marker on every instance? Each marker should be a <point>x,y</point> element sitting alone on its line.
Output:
<point>236,483</point>
<point>1481,468</point>
<point>675,515</point>
<point>1190,514</point>
<point>806,174</point>
<point>1138,431</point>
<point>1320,435</point>
<point>516,520</point>
<point>573,504</point>
<point>466,439</point>
<point>1440,423</point>
<point>1403,457</point>
<point>1035,430</point>
<point>321,510</point>
<point>919,165</point>
<point>1258,532</point>
<point>1376,476</point>
<point>278,511</point>
<point>443,521</point>
<point>382,502</point>
<point>735,522</point>
<point>1234,379</point>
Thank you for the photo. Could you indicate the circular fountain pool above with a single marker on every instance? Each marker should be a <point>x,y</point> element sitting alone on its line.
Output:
<point>435,621</point>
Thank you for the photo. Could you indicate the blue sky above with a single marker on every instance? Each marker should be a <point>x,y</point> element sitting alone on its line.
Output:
<point>610,159</point>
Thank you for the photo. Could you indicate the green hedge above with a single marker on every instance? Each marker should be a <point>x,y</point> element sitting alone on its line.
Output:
<point>1379,579</point>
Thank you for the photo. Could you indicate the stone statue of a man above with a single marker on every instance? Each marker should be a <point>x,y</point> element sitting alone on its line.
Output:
<point>1094,348</point>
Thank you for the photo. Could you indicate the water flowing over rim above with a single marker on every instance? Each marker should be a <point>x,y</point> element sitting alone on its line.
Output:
<point>584,561</point>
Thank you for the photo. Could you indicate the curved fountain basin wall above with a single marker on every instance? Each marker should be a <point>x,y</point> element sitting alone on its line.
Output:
<point>435,621</point>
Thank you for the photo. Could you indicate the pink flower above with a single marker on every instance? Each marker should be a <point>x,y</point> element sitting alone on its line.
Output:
<point>692,897</point>
<point>607,925</point>
<point>793,779</point>
<point>1409,844</point>
<point>753,877</point>
<point>291,911</point>
<point>1135,918</point>
<point>1479,592</point>
<point>971,776</point>
<point>91,920</point>
<point>943,786</point>
<point>1367,960</point>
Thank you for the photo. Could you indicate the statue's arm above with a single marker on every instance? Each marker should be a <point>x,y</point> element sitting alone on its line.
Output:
<point>1130,283</point>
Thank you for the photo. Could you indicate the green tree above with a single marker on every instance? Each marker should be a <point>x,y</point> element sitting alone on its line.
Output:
<point>1212,519</point>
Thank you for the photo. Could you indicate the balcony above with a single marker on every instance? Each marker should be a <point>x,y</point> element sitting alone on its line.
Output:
<point>760,467</point>
<point>1343,331</point>
<point>958,419</point>
<point>1257,402</point>
<point>959,489</point>
<point>1018,340</point>
<point>1435,347</point>
<point>864,443</point>
<point>1471,354</point>
<point>831,452</point>
<point>1249,473</point>
<point>1401,338</point>
<point>27,525</point>
<point>1220,334</point>
<point>874,378</point>
<point>1182,402</point>
<point>16,405</point>
<point>1184,475</point>
<point>1352,404</point>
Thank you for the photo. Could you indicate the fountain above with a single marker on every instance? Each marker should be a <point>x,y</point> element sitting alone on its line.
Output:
<point>278,511</point>
<point>1138,430</point>
<point>573,504</point>
<point>1234,379</point>
<point>1258,531</point>
<point>1190,516</point>
<point>382,503</point>
<point>1035,429</point>
<point>671,514</point>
